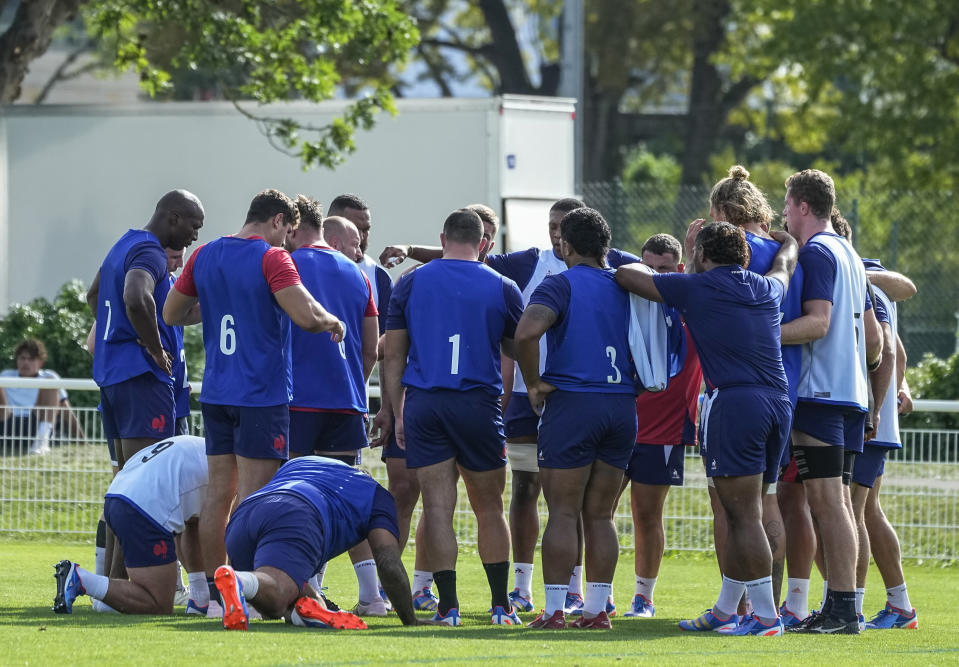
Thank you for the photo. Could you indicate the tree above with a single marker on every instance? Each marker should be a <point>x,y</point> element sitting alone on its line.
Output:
<point>258,52</point>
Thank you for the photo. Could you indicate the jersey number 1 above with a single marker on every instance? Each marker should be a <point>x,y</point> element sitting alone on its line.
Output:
<point>455,361</point>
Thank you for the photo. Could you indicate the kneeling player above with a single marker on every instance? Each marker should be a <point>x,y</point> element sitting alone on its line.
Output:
<point>312,510</point>
<point>152,506</point>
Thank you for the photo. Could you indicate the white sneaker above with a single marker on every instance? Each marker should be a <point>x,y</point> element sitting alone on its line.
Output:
<point>39,448</point>
<point>374,608</point>
<point>102,607</point>
<point>214,610</point>
<point>181,597</point>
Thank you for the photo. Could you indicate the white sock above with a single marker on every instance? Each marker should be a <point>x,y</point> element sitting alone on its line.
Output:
<point>576,581</point>
<point>179,577</point>
<point>523,578</point>
<point>94,584</point>
<point>729,596</point>
<point>825,593</point>
<point>596,595</point>
<point>422,580</point>
<point>555,599</point>
<point>760,592</point>
<point>199,591</point>
<point>645,587</point>
<point>42,441</point>
<point>898,597</point>
<point>797,596</point>
<point>100,560</point>
<point>319,578</point>
<point>860,595</point>
<point>366,578</point>
<point>250,584</point>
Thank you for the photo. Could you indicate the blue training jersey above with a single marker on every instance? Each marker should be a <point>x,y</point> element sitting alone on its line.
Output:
<point>588,344</point>
<point>345,497</point>
<point>733,318</point>
<point>456,313</point>
<point>763,251</point>
<point>520,266</point>
<point>246,334</point>
<point>117,355</point>
<point>328,375</point>
<point>181,380</point>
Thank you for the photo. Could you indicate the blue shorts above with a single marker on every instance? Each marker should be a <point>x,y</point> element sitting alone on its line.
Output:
<point>579,427</point>
<point>392,450</point>
<point>270,531</point>
<point>870,464</point>
<point>327,432</point>
<point>255,433</point>
<point>141,407</point>
<point>445,424</point>
<point>144,542</point>
<point>659,465</point>
<point>520,420</point>
<point>836,425</point>
<point>743,430</point>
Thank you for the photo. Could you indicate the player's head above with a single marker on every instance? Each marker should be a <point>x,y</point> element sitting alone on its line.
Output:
<point>177,219</point>
<point>556,213</point>
<point>810,196</point>
<point>310,229</point>
<point>840,225</point>
<point>30,355</point>
<point>463,228</point>
<point>341,234</point>
<point>490,226</point>
<point>721,243</point>
<point>585,232</point>
<point>737,200</point>
<point>663,253</point>
<point>174,259</point>
<point>355,210</point>
<point>276,213</point>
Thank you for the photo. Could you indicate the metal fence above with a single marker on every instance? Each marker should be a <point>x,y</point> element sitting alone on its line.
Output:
<point>61,492</point>
<point>911,232</point>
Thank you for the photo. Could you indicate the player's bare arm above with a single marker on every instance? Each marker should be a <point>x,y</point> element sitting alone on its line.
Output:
<point>689,244</point>
<point>536,320</point>
<point>94,293</point>
<point>178,307</point>
<point>638,279</point>
<point>307,313</point>
<point>397,350</point>
<point>142,312</point>
<point>370,340</point>
<point>880,378</point>
<point>812,325</point>
<point>396,583</point>
<point>896,286</point>
<point>874,337</point>
<point>394,255</point>
<point>784,263</point>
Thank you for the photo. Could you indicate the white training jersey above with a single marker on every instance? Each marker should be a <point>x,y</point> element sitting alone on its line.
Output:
<point>166,482</point>
<point>887,435</point>
<point>368,267</point>
<point>648,340</point>
<point>547,264</point>
<point>834,367</point>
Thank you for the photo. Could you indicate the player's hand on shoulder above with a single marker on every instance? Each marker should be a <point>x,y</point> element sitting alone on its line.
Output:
<point>393,255</point>
<point>782,237</point>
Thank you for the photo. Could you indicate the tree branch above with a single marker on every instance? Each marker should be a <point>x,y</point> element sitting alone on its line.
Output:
<point>60,74</point>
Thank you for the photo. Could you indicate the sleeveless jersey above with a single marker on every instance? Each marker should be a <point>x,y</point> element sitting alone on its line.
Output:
<point>181,380</point>
<point>456,313</point>
<point>834,367</point>
<point>167,481</point>
<point>117,354</point>
<point>887,435</point>
<point>326,374</point>
<point>246,334</point>
<point>588,345</point>
<point>342,495</point>
<point>763,252</point>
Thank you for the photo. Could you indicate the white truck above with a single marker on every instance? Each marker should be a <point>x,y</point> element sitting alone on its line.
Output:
<point>74,178</point>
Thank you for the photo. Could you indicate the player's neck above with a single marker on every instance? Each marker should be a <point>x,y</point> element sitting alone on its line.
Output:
<point>756,229</point>
<point>462,251</point>
<point>260,229</point>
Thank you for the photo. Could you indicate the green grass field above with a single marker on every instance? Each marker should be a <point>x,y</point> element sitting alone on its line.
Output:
<point>32,634</point>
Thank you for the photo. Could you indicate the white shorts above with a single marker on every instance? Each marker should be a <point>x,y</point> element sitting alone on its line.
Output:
<point>522,456</point>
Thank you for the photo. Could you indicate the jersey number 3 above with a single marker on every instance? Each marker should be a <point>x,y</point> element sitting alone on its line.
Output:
<point>611,353</point>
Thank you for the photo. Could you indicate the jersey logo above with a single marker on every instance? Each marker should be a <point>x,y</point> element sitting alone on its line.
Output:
<point>279,443</point>
<point>158,423</point>
<point>713,464</point>
<point>160,549</point>
<point>675,474</point>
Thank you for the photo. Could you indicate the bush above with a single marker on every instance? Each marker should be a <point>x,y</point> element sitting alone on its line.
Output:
<point>934,378</point>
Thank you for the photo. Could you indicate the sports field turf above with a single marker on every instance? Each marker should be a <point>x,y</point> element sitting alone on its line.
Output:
<point>31,634</point>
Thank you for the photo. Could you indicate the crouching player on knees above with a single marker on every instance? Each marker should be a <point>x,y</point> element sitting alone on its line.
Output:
<point>152,506</point>
<point>312,510</point>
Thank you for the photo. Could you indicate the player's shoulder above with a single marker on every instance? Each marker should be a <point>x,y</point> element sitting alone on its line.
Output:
<point>617,258</point>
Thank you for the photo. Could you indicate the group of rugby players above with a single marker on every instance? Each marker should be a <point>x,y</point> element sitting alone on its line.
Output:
<point>581,365</point>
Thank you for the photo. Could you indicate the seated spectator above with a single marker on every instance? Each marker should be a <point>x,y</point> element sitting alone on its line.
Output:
<point>30,415</point>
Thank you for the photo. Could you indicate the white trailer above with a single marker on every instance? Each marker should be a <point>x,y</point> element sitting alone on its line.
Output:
<point>74,178</point>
